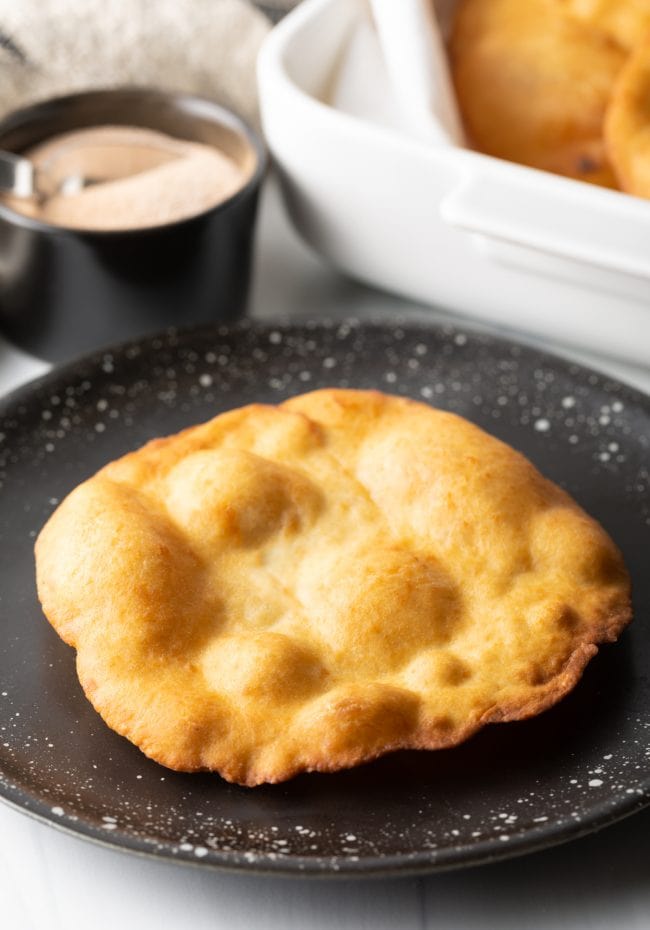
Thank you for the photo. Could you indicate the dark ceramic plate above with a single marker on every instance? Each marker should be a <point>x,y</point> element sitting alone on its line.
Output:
<point>511,789</point>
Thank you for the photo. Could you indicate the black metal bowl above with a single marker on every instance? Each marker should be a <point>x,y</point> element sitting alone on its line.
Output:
<point>63,291</point>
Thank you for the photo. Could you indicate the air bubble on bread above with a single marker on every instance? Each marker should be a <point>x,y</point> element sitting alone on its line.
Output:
<point>377,608</point>
<point>434,669</point>
<point>440,490</point>
<point>359,719</point>
<point>234,497</point>
<point>130,574</point>
<point>571,542</point>
<point>263,666</point>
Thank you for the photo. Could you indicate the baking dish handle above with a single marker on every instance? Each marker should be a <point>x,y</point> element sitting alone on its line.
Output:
<point>557,217</point>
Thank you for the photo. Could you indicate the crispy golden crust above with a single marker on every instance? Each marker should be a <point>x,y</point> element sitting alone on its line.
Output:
<point>627,126</point>
<point>533,84</point>
<point>309,586</point>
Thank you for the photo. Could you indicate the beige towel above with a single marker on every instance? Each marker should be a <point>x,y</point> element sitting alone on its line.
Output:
<point>207,47</point>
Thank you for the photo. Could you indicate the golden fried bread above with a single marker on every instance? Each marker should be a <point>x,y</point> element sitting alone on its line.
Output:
<point>533,84</point>
<point>626,21</point>
<point>308,586</point>
<point>627,127</point>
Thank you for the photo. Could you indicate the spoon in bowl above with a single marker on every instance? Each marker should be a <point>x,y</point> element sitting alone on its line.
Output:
<point>20,177</point>
<point>82,163</point>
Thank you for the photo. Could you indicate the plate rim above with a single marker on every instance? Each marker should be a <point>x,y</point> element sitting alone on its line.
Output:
<point>398,865</point>
<point>375,322</point>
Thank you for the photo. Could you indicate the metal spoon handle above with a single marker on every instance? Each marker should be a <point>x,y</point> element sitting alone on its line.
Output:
<point>17,175</point>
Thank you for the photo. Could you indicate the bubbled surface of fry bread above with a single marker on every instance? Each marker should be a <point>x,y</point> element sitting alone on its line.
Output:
<point>308,586</point>
<point>533,85</point>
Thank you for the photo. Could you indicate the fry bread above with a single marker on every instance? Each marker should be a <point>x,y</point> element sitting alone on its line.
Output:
<point>533,84</point>
<point>308,586</point>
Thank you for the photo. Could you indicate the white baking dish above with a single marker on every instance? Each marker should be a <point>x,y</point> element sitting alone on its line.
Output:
<point>446,225</point>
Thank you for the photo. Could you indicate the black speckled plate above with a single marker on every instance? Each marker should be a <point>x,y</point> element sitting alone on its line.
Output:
<point>511,789</point>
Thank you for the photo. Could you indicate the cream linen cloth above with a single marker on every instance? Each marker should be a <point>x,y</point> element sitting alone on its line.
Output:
<point>207,47</point>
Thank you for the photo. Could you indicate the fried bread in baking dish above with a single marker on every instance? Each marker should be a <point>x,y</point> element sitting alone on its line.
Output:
<point>308,586</point>
<point>533,84</point>
<point>627,127</point>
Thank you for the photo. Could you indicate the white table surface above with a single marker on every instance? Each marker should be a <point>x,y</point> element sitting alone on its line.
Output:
<point>51,881</point>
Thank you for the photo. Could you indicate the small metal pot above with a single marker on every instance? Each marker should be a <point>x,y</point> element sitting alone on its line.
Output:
<point>64,291</point>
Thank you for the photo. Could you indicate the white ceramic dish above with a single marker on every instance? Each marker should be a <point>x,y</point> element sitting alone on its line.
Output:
<point>446,225</point>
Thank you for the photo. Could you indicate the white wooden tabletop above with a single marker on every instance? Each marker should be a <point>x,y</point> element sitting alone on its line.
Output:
<point>51,881</point>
